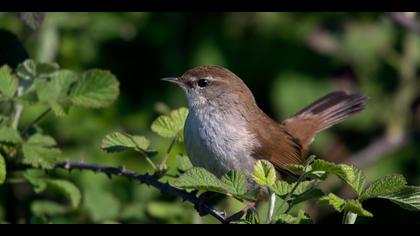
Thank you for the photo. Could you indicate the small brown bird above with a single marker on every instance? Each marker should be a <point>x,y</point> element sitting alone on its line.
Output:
<point>226,130</point>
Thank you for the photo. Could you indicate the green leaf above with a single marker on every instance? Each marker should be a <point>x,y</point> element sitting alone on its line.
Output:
<point>264,173</point>
<point>40,156</point>
<point>250,217</point>
<point>47,208</point>
<point>337,202</point>
<point>296,167</point>
<point>383,186</point>
<point>133,211</point>
<point>199,179</point>
<point>183,162</point>
<point>165,210</point>
<point>34,177</point>
<point>57,87</point>
<point>8,83</point>
<point>407,197</point>
<point>68,189</point>
<point>118,142</point>
<point>46,69</point>
<point>303,187</point>
<point>2,170</point>
<point>59,110</point>
<point>9,135</point>
<point>178,117</point>
<point>340,204</point>
<point>301,218</point>
<point>235,182</point>
<point>311,194</point>
<point>281,187</point>
<point>32,19</point>
<point>349,174</point>
<point>172,125</point>
<point>101,205</point>
<point>42,140</point>
<point>26,70</point>
<point>321,175</point>
<point>95,89</point>
<point>356,207</point>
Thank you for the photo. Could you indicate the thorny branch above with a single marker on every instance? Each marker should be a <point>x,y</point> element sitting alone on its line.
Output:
<point>146,179</point>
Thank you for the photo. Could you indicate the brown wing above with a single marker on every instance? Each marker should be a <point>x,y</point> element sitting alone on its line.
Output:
<point>322,114</point>
<point>277,145</point>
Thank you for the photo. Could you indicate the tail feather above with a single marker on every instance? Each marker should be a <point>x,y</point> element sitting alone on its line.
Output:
<point>323,113</point>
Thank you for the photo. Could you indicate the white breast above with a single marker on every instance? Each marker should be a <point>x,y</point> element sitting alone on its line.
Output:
<point>218,142</point>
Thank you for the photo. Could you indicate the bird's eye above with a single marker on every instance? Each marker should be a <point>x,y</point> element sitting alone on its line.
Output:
<point>202,82</point>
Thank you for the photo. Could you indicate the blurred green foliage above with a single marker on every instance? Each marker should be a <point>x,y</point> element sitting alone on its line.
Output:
<point>287,59</point>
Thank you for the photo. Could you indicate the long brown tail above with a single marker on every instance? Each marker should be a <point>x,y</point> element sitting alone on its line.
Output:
<point>323,113</point>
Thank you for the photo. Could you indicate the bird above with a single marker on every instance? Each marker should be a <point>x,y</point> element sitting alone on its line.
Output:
<point>226,130</point>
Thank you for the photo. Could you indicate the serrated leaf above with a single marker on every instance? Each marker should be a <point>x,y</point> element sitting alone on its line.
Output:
<point>95,89</point>
<point>46,69</point>
<point>178,117</point>
<point>356,207</point>
<point>32,19</point>
<point>303,187</point>
<point>8,83</point>
<point>340,204</point>
<point>101,206</point>
<point>235,182</point>
<point>118,142</point>
<point>172,125</point>
<point>311,194</point>
<point>57,87</point>
<point>199,179</point>
<point>296,167</point>
<point>183,162</point>
<point>321,175</point>
<point>264,173</point>
<point>301,218</point>
<point>34,177</point>
<point>58,110</point>
<point>47,208</point>
<point>407,197</point>
<point>281,187</point>
<point>250,217</point>
<point>349,174</point>
<point>337,202</point>
<point>26,70</point>
<point>68,189</point>
<point>2,170</point>
<point>384,186</point>
<point>42,140</point>
<point>9,135</point>
<point>40,156</point>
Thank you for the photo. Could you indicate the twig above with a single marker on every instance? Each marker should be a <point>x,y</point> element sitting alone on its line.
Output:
<point>349,217</point>
<point>36,120</point>
<point>17,109</point>
<point>376,150</point>
<point>165,158</point>
<point>271,206</point>
<point>298,181</point>
<point>144,179</point>
<point>151,163</point>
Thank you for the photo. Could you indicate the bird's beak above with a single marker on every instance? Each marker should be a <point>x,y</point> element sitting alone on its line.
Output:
<point>174,80</point>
